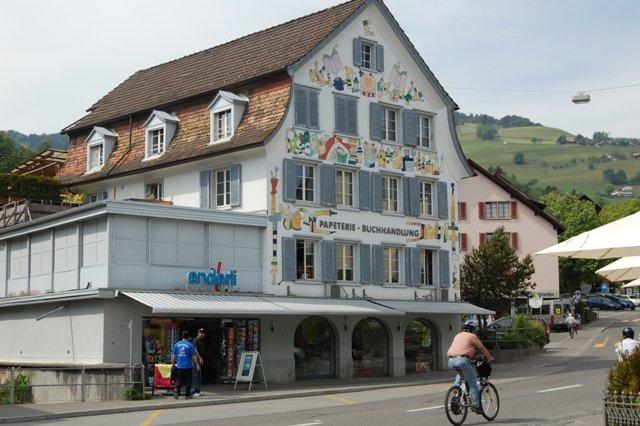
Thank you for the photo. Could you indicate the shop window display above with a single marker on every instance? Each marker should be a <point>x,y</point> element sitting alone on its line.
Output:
<point>420,343</point>
<point>314,349</point>
<point>370,349</point>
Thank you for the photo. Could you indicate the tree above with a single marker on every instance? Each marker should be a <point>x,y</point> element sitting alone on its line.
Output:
<point>44,145</point>
<point>11,154</point>
<point>600,136</point>
<point>562,139</point>
<point>576,216</point>
<point>486,132</point>
<point>635,180</point>
<point>518,158</point>
<point>621,177</point>
<point>609,175</point>
<point>614,211</point>
<point>492,276</point>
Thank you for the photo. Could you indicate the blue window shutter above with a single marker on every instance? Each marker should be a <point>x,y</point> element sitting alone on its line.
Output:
<point>234,187</point>
<point>375,121</point>
<point>205,191</point>
<point>364,190</point>
<point>379,55</point>
<point>357,52</point>
<point>378,264</point>
<point>409,127</point>
<point>365,263</point>
<point>416,258</point>
<point>414,194</point>
<point>314,119</point>
<point>376,192</point>
<point>443,266</point>
<point>408,261</point>
<point>329,271</point>
<point>289,180</point>
<point>327,185</point>
<point>288,259</point>
<point>406,195</point>
<point>443,205</point>
<point>301,101</point>
<point>340,113</point>
<point>352,116</point>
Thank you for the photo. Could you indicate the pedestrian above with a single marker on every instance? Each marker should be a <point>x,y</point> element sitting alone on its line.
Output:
<point>571,324</point>
<point>628,344</point>
<point>198,342</point>
<point>184,358</point>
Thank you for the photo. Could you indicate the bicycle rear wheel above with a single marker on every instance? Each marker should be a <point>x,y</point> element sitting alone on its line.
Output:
<point>490,401</point>
<point>455,406</point>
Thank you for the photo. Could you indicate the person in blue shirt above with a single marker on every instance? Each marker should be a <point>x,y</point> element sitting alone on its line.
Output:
<point>184,359</point>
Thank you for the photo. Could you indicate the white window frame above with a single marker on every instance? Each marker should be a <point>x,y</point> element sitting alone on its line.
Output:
<point>306,255</point>
<point>419,133</point>
<point>162,147</point>
<point>341,261</point>
<point>91,168</point>
<point>304,188</point>
<point>342,186</point>
<point>385,132</point>
<point>222,135</point>
<point>159,191</point>
<point>388,191</point>
<point>423,266</point>
<point>425,207</point>
<point>502,210</point>
<point>388,263</point>
<point>226,182</point>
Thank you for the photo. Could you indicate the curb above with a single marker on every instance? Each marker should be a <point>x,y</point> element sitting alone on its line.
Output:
<point>202,403</point>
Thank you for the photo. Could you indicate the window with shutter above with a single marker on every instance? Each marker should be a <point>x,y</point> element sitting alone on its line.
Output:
<point>377,259</point>
<point>365,264</point>
<point>427,269</point>
<point>345,255</point>
<point>328,185</point>
<point>514,210</point>
<point>205,192</point>
<point>375,121</point>
<point>443,200</point>
<point>424,131</point>
<point>288,259</point>
<point>235,185</point>
<point>444,268</point>
<point>346,115</point>
<point>329,273</point>
<point>222,187</point>
<point>368,54</point>
<point>364,190</point>
<point>306,107</point>
<point>289,180</point>
<point>344,182</point>
<point>481,213</point>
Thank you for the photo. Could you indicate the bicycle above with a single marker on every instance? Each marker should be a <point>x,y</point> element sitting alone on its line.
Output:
<point>458,399</point>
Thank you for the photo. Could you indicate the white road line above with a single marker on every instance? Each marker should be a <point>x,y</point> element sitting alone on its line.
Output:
<point>557,389</point>
<point>415,410</point>
<point>317,422</point>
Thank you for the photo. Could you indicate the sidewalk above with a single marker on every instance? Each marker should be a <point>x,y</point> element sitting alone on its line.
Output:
<point>558,350</point>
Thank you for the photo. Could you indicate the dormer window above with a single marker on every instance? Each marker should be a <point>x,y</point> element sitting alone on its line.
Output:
<point>160,128</point>
<point>100,143</point>
<point>226,112</point>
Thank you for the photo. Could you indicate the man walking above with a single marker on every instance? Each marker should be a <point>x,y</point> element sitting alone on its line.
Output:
<point>571,324</point>
<point>198,342</point>
<point>184,359</point>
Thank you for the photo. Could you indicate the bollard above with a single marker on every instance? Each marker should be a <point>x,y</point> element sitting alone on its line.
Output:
<point>82,384</point>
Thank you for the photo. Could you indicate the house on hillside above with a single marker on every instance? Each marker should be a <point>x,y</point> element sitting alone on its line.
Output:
<point>489,201</point>
<point>310,191</point>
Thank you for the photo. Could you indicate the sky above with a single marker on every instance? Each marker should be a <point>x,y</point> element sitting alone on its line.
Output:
<point>59,57</point>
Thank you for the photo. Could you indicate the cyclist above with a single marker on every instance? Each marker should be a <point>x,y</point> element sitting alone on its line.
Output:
<point>627,345</point>
<point>462,350</point>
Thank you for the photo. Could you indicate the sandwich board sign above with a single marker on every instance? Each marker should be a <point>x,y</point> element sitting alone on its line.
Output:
<point>249,361</point>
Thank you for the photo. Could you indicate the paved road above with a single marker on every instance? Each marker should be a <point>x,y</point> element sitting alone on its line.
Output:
<point>561,387</point>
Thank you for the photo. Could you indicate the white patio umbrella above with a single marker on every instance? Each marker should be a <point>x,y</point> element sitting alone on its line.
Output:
<point>616,239</point>
<point>627,268</point>
<point>634,283</point>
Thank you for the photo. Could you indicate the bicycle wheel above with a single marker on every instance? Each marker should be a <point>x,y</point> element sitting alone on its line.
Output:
<point>490,401</point>
<point>455,406</point>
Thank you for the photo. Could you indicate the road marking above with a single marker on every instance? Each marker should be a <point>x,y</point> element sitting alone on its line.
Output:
<point>626,320</point>
<point>557,389</point>
<point>636,320</point>
<point>601,345</point>
<point>415,410</point>
<point>346,401</point>
<point>317,422</point>
<point>151,417</point>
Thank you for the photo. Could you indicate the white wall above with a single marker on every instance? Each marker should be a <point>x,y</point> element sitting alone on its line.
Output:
<point>534,232</point>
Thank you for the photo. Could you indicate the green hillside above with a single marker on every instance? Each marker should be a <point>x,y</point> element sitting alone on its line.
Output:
<point>564,166</point>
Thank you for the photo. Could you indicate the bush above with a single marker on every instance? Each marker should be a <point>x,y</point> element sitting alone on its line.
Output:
<point>486,132</point>
<point>21,390</point>
<point>28,186</point>
<point>518,157</point>
<point>133,393</point>
<point>624,377</point>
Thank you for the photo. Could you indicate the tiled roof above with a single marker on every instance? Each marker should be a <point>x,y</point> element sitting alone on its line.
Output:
<point>245,59</point>
<point>267,105</point>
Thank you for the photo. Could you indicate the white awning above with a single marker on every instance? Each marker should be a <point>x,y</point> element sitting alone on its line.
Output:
<point>634,283</point>
<point>626,268</point>
<point>215,304</point>
<point>420,307</point>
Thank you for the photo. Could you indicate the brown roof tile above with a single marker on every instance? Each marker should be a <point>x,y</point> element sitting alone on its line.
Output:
<point>259,54</point>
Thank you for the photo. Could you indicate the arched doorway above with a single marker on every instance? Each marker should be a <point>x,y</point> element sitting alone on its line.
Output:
<point>370,349</point>
<point>314,349</point>
<point>420,347</point>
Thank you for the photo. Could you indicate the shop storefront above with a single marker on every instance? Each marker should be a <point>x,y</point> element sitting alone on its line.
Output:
<point>314,349</point>
<point>370,349</point>
<point>225,340</point>
<point>420,347</point>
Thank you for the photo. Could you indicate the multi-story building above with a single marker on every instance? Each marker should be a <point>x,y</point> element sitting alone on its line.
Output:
<point>487,202</point>
<point>312,165</point>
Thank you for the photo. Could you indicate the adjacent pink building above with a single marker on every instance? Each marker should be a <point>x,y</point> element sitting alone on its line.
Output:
<point>487,202</point>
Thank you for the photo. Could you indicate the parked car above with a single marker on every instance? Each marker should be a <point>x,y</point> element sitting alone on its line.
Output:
<point>632,298</point>
<point>599,302</point>
<point>622,301</point>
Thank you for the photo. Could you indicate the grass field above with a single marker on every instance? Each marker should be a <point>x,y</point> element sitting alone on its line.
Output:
<point>565,166</point>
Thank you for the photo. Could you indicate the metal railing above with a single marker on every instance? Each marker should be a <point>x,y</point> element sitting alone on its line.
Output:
<point>622,409</point>
<point>20,385</point>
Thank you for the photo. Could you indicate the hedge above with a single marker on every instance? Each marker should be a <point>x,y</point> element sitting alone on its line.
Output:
<point>28,186</point>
